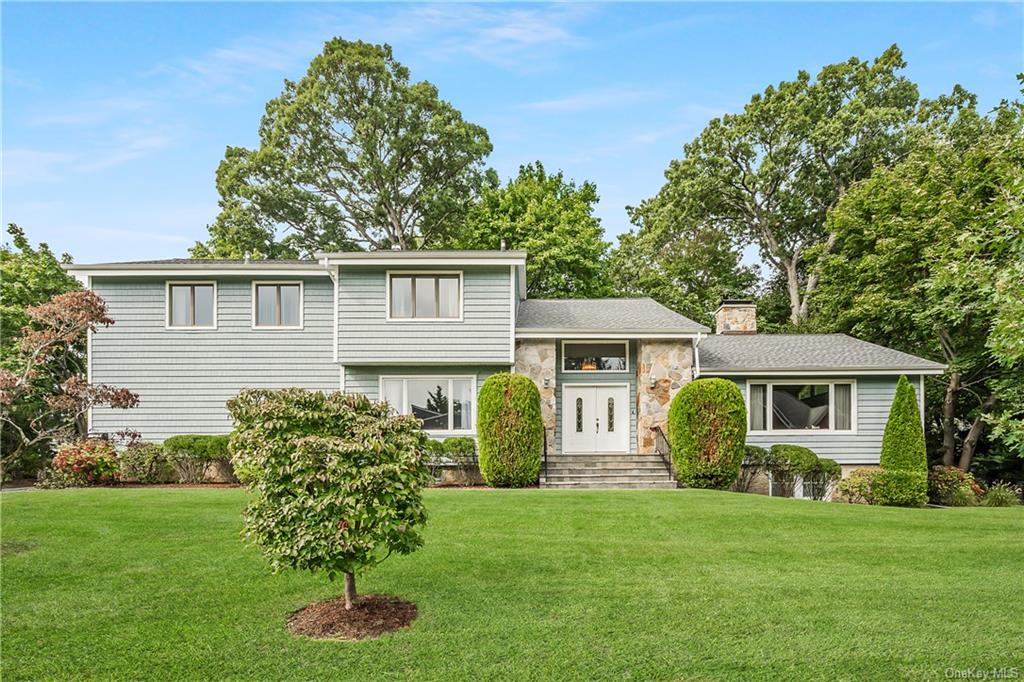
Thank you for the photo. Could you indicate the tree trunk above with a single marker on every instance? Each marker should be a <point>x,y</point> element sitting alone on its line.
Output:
<point>971,441</point>
<point>793,288</point>
<point>948,414</point>
<point>350,590</point>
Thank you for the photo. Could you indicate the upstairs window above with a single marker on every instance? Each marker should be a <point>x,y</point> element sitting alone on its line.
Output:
<point>191,305</point>
<point>277,305</point>
<point>425,296</point>
<point>791,406</point>
<point>602,356</point>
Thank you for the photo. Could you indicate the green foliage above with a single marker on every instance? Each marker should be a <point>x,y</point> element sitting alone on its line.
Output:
<point>460,448</point>
<point>192,455</point>
<point>335,480</point>
<point>145,463</point>
<point>903,441</point>
<point>707,425</point>
<point>858,487</point>
<point>1001,495</point>
<point>352,155</point>
<point>86,462</point>
<point>963,496</point>
<point>786,462</point>
<point>820,482</point>
<point>509,430</point>
<point>755,462</point>
<point>900,487</point>
<point>553,220</point>
<point>943,482</point>
<point>769,174</point>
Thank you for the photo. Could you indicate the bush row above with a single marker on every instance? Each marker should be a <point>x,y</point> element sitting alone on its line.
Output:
<point>947,486</point>
<point>787,463</point>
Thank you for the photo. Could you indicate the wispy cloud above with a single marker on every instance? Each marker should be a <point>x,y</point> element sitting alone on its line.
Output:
<point>92,111</point>
<point>987,17</point>
<point>24,166</point>
<point>607,98</point>
<point>129,145</point>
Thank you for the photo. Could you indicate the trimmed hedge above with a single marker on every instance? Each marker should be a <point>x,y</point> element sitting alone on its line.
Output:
<point>510,432</point>
<point>707,426</point>
<point>786,462</point>
<point>755,462</point>
<point>192,455</point>
<point>903,481</point>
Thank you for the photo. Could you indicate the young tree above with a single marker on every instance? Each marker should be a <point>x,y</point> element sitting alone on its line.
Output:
<point>769,175</point>
<point>903,479</point>
<point>551,218</point>
<point>926,259</point>
<point>336,480</point>
<point>352,155</point>
<point>43,396</point>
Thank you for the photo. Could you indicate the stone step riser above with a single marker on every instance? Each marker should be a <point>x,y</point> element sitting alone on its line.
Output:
<point>606,467</point>
<point>608,479</point>
<point>611,486</point>
<point>604,460</point>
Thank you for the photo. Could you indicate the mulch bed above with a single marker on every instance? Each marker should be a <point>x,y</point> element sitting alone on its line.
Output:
<point>372,616</point>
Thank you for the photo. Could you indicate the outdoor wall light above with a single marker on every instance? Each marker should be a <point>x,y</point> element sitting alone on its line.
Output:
<point>547,382</point>
<point>654,382</point>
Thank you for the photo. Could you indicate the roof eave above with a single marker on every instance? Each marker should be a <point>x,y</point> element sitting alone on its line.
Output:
<point>821,371</point>
<point>173,269</point>
<point>538,333</point>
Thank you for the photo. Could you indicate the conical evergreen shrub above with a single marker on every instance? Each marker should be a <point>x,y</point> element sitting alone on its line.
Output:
<point>903,480</point>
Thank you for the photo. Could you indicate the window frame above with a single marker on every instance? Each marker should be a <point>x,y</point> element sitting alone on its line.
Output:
<point>192,283</point>
<point>406,378</point>
<point>423,273</point>
<point>852,383</point>
<point>623,342</point>
<point>277,282</point>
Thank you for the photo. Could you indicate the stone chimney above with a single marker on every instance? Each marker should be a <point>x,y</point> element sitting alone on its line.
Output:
<point>736,316</point>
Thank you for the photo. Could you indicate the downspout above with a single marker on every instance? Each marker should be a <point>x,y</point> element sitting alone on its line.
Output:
<point>696,355</point>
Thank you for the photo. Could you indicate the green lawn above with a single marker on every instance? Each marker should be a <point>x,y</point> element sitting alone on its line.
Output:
<point>156,584</point>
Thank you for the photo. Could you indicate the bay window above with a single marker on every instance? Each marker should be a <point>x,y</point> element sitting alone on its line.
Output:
<point>441,403</point>
<point>797,406</point>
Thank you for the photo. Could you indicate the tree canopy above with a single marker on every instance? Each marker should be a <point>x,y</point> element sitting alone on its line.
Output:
<point>353,155</point>
<point>552,219</point>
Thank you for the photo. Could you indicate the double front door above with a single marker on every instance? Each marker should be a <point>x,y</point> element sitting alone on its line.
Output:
<point>595,418</point>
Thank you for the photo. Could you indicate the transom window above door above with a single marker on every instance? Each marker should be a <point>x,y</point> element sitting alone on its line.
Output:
<point>415,296</point>
<point>277,305</point>
<point>595,356</point>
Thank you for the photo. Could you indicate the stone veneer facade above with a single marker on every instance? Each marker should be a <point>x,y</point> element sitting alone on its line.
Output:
<point>536,359</point>
<point>670,364</point>
<point>736,318</point>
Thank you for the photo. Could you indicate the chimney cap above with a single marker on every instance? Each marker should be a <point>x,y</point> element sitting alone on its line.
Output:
<point>736,301</point>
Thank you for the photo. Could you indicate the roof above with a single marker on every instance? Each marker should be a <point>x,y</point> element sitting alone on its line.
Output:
<point>198,267</point>
<point>602,315</point>
<point>772,353</point>
<point>193,261</point>
<point>425,257</point>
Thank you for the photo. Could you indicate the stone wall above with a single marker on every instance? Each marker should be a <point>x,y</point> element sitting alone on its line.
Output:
<point>536,359</point>
<point>670,364</point>
<point>736,318</point>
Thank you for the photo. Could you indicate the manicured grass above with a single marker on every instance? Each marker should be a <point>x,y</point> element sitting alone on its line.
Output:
<point>156,584</point>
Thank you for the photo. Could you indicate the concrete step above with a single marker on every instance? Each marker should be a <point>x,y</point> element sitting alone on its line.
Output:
<point>607,478</point>
<point>606,466</point>
<point>632,485</point>
<point>597,460</point>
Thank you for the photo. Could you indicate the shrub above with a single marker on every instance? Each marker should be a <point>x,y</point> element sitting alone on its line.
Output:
<point>509,430</point>
<point>786,462</point>
<point>755,461</point>
<point>460,449</point>
<point>192,455</point>
<point>707,425</point>
<point>963,496</point>
<point>903,459</point>
<point>336,480</point>
<point>900,487</point>
<point>857,488</point>
<point>434,456</point>
<point>1001,495</point>
<point>821,480</point>
<point>145,463</point>
<point>943,482</point>
<point>86,462</point>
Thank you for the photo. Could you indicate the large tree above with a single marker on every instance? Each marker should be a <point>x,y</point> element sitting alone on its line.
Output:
<point>927,257</point>
<point>552,219</point>
<point>769,175</point>
<point>353,155</point>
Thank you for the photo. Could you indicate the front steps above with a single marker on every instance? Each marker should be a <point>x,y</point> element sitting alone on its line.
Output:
<point>606,470</point>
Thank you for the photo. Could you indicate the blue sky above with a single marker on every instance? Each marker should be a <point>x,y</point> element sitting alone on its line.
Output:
<point>116,115</point>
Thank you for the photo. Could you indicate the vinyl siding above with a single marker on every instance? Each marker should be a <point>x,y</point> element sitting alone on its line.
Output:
<point>366,337</point>
<point>184,378</point>
<point>874,397</point>
<point>561,379</point>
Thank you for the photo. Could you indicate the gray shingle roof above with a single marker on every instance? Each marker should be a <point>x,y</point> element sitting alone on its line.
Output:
<point>640,315</point>
<point>209,261</point>
<point>802,352</point>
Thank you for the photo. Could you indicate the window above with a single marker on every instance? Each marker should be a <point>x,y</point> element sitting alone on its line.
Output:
<point>579,415</point>
<point>602,356</point>
<point>277,304</point>
<point>441,403</point>
<point>190,305</point>
<point>428,297</point>
<point>611,415</point>
<point>791,406</point>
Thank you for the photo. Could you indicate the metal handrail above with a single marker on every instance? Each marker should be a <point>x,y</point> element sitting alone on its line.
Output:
<point>663,448</point>
<point>544,457</point>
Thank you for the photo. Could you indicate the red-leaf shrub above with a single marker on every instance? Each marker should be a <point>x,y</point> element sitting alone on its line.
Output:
<point>81,463</point>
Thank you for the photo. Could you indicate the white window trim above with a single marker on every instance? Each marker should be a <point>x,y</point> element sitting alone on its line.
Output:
<point>831,407</point>
<point>167,304</point>
<point>405,378</point>
<point>387,296</point>
<point>624,343</point>
<point>274,327</point>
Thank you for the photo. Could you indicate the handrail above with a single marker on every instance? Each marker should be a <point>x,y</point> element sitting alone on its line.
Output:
<point>663,448</point>
<point>544,457</point>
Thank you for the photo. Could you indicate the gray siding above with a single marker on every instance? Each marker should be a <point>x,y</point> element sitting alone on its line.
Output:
<point>366,379</point>
<point>483,336</point>
<point>561,378</point>
<point>874,398</point>
<point>184,378</point>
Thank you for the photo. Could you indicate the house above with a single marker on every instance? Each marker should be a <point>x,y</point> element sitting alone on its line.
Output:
<point>424,329</point>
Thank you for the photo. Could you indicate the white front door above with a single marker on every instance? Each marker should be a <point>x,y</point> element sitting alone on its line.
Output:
<point>595,418</point>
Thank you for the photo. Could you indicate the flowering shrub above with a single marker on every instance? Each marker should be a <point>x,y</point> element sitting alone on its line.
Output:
<point>86,462</point>
<point>945,484</point>
<point>858,487</point>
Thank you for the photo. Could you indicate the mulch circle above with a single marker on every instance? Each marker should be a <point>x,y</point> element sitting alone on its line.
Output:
<point>371,616</point>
